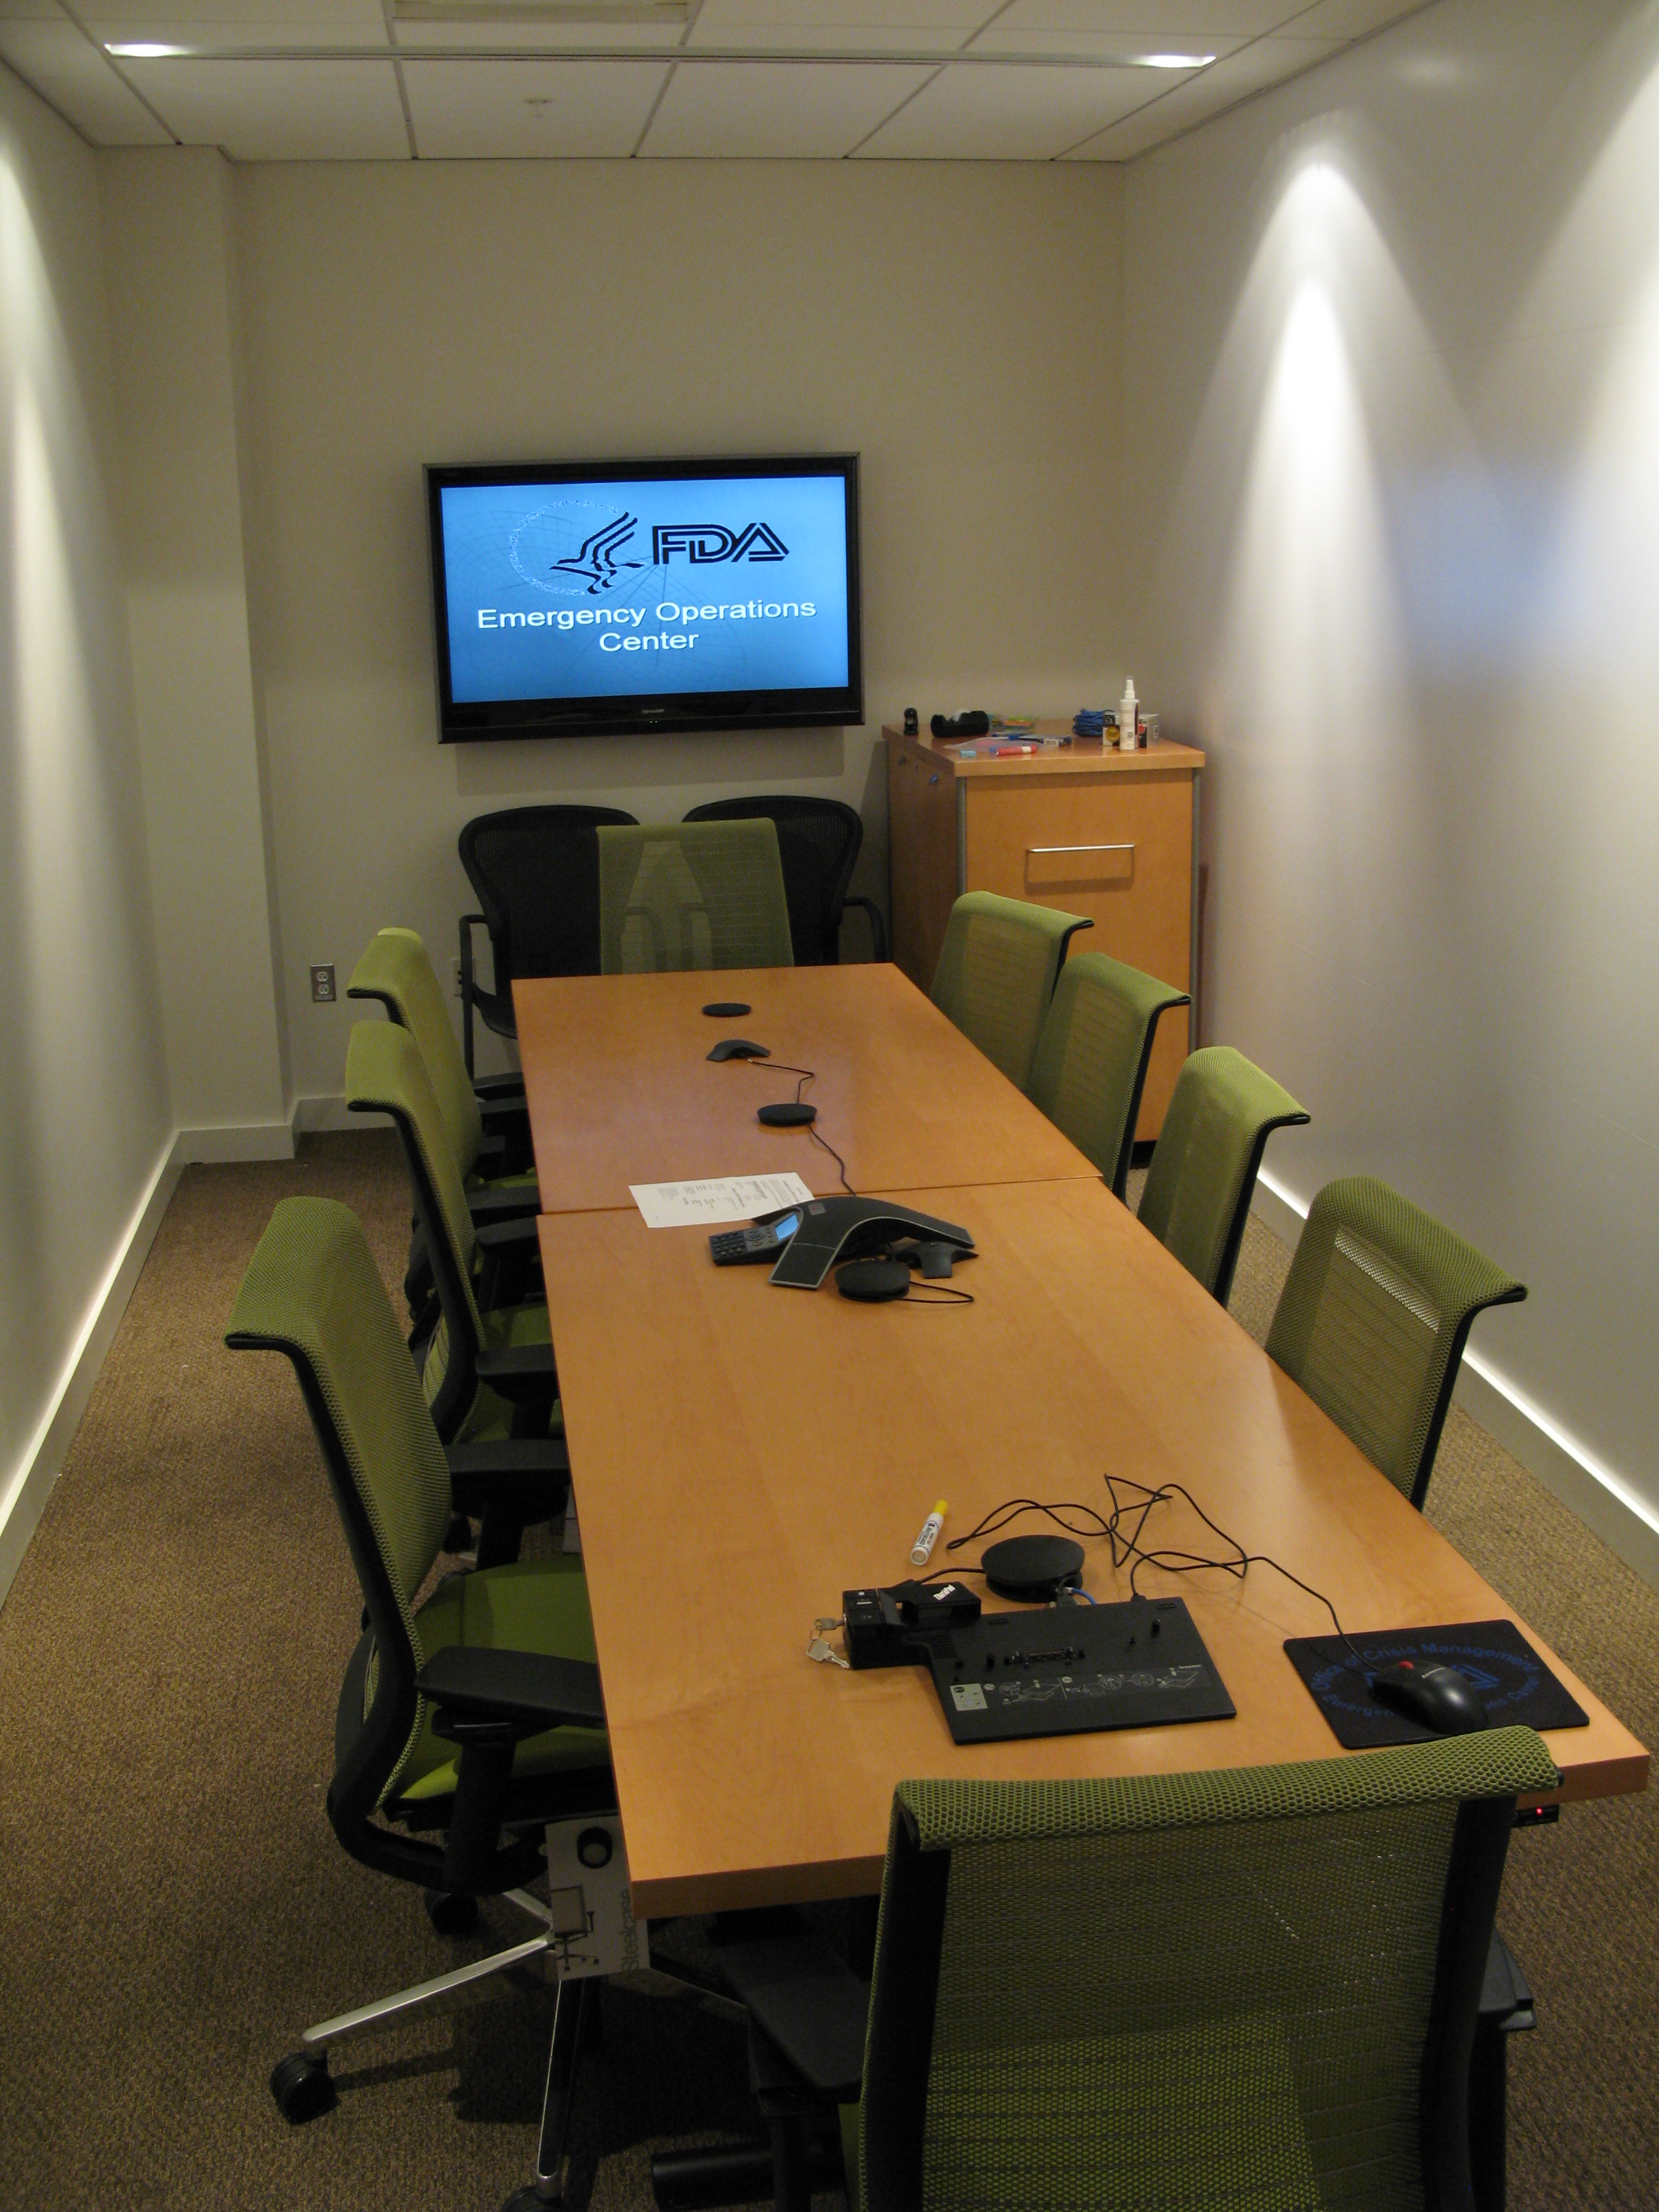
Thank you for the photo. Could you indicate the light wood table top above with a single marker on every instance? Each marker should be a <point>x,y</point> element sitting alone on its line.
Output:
<point>744,1454</point>
<point>621,1089</point>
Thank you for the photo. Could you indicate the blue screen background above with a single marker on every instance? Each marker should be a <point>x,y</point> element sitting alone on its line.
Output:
<point>543,549</point>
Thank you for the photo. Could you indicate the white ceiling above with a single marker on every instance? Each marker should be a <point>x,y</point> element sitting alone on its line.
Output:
<point>816,80</point>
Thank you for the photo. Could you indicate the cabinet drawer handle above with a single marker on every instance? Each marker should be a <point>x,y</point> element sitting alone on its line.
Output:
<point>1034,851</point>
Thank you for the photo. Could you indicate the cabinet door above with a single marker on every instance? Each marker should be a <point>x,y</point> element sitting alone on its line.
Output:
<point>1116,847</point>
<point>921,829</point>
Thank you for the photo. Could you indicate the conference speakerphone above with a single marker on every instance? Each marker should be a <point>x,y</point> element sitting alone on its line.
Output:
<point>834,1228</point>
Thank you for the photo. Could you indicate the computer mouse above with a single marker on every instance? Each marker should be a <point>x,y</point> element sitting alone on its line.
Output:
<point>740,1048</point>
<point>1435,1697</point>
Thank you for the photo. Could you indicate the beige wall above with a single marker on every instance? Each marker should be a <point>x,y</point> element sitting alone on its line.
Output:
<point>1394,432</point>
<point>940,320</point>
<point>84,1122</point>
<point>175,341</point>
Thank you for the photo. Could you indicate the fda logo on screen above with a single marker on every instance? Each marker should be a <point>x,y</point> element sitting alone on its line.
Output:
<point>702,542</point>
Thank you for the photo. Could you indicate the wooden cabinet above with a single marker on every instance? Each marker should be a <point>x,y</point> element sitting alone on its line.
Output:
<point>1109,835</point>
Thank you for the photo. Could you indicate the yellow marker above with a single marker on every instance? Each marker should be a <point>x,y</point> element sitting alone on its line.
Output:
<point>921,1550</point>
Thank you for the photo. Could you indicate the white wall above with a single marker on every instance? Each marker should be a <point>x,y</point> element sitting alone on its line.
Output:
<point>177,349</point>
<point>928,316</point>
<point>84,1122</point>
<point>1393,421</point>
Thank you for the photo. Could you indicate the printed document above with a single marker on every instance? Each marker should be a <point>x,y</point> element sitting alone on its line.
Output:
<point>723,1198</point>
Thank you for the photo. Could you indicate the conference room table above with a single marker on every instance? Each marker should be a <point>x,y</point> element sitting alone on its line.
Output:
<point>742,1454</point>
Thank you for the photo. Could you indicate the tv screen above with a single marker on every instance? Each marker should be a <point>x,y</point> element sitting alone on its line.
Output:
<point>577,599</point>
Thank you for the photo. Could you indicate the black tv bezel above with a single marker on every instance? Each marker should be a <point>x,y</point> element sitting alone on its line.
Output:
<point>680,713</point>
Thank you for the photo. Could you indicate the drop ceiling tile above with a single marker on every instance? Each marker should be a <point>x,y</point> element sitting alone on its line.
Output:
<point>798,111</point>
<point>278,110</point>
<point>1175,21</point>
<point>1353,19</point>
<point>71,76</point>
<point>30,11</point>
<point>1001,112</point>
<point>922,20</point>
<point>539,110</point>
<point>541,38</point>
<point>833,38</point>
<point>1267,61</point>
<point>1100,45</point>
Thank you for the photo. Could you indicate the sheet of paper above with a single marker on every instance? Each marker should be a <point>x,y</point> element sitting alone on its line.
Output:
<point>723,1198</point>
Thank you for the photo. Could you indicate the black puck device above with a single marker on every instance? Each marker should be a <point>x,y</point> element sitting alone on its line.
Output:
<point>1033,1569</point>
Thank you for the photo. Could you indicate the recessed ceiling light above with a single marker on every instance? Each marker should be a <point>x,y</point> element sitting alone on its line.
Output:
<point>143,53</point>
<point>1174,61</point>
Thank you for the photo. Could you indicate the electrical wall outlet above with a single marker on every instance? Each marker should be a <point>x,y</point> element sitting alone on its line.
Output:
<point>455,973</point>
<point>322,983</point>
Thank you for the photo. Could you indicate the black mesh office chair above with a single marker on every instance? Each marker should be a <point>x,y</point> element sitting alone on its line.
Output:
<point>818,841</point>
<point>536,871</point>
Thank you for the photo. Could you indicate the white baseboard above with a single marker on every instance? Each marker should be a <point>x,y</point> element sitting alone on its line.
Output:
<point>30,1482</point>
<point>328,1112</point>
<point>234,1140</point>
<point>1602,1501</point>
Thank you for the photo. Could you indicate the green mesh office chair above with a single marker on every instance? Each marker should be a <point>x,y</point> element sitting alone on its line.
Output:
<point>1203,1165</point>
<point>1183,1993</point>
<point>486,1124</point>
<point>676,895</point>
<point>818,841</point>
<point>1373,1319</point>
<point>487,1367</point>
<point>467,1721</point>
<point>1092,1054</point>
<point>495,1164</point>
<point>996,974</point>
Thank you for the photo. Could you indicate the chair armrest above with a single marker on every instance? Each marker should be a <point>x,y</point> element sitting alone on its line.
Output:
<point>522,1200</point>
<point>527,1478</point>
<point>503,1113</point>
<point>526,1688</point>
<point>524,1371</point>
<point>509,1089</point>
<point>804,1998</point>
<point>517,1233</point>
<point>877,926</point>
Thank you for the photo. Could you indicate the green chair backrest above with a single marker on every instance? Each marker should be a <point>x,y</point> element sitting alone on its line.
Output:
<point>996,974</point>
<point>397,971</point>
<point>1373,1319</point>
<point>386,1074</point>
<point>1203,1991</point>
<point>1091,1056</point>
<point>1204,1167</point>
<point>676,895</point>
<point>312,1290</point>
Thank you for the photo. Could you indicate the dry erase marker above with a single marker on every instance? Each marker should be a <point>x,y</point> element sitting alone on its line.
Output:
<point>921,1550</point>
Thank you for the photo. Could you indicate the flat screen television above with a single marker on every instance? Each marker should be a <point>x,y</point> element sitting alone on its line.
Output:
<point>583,599</point>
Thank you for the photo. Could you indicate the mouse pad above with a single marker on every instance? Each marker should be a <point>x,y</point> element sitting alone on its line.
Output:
<point>1512,1680</point>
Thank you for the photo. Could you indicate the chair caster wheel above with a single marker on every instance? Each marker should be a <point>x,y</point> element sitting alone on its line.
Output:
<point>301,2088</point>
<point>449,1914</point>
<point>531,2198</point>
<point>458,1537</point>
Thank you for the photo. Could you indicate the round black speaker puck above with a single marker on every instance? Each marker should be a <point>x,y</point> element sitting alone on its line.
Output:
<point>1033,1569</point>
<point>788,1115</point>
<point>873,1282</point>
<point>727,1010</point>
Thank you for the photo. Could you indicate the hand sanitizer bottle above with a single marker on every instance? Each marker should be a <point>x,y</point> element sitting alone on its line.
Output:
<point>1126,716</point>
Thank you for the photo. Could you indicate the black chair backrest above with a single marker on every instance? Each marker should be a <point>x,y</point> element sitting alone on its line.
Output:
<point>536,870</point>
<point>818,841</point>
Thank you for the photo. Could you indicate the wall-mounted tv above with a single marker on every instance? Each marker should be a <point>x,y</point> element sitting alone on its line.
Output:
<point>583,599</point>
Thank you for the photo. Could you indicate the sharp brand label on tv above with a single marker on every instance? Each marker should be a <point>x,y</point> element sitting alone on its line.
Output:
<point>695,595</point>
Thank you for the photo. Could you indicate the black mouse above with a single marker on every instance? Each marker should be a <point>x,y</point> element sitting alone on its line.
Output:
<point>1435,1697</point>
<point>740,1048</point>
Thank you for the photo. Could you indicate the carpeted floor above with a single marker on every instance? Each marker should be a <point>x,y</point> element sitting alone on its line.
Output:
<point>177,1908</point>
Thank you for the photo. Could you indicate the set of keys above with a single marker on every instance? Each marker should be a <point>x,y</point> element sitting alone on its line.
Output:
<point>817,1649</point>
